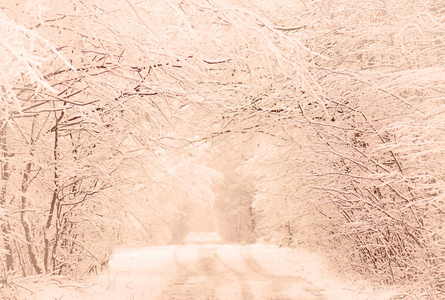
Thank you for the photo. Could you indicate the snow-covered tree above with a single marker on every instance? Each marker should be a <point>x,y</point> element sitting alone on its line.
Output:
<point>328,116</point>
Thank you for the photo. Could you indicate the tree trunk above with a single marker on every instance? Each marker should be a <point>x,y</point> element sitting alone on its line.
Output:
<point>54,201</point>
<point>32,251</point>
<point>4,176</point>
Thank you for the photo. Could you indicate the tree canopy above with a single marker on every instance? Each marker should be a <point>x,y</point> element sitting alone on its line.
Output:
<point>316,124</point>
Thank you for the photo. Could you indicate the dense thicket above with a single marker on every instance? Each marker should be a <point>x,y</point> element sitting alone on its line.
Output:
<point>359,167</point>
<point>92,113</point>
<point>327,118</point>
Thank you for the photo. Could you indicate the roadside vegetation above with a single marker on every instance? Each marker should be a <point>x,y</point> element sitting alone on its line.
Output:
<point>316,124</point>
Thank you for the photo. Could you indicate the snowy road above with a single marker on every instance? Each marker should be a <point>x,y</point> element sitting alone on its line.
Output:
<point>206,269</point>
<point>234,272</point>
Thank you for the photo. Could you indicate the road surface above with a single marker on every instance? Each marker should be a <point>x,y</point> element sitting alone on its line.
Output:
<point>206,269</point>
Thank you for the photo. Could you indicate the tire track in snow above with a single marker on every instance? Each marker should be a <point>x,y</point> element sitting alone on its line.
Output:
<point>280,282</point>
<point>205,276</point>
<point>198,277</point>
<point>211,272</point>
<point>246,291</point>
<point>178,287</point>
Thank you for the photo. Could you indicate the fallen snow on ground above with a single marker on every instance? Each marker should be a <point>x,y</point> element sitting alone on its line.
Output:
<point>205,268</point>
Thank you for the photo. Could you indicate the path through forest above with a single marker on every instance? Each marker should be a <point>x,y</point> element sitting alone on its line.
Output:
<point>204,268</point>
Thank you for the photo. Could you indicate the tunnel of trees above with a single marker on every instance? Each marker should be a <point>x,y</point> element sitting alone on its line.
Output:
<point>316,124</point>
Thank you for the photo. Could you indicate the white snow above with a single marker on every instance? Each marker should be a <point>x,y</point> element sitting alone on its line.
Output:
<point>205,268</point>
